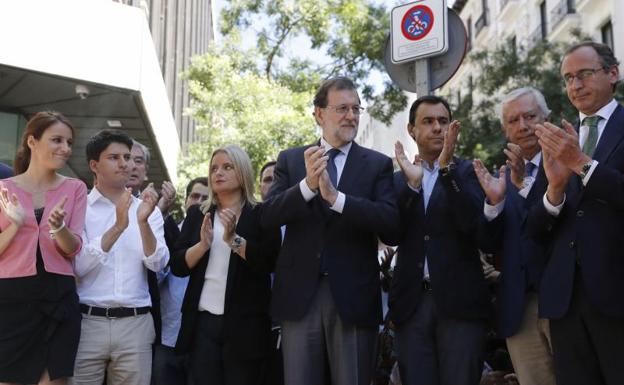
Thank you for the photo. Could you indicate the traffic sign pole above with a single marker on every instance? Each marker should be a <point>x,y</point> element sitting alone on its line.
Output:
<point>423,83</point>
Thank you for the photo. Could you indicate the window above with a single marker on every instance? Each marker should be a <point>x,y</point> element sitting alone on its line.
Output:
<point>607,33</point>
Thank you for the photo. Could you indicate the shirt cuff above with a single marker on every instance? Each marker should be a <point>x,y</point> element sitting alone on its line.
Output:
<point>553,210</point>
<point>305,191</point>
<point>338,206</point>
<point>492,211</point>
<point>418,190</point>
<point>590,172</point>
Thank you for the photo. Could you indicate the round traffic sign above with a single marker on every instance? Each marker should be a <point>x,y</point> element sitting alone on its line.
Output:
<point>417,22</point>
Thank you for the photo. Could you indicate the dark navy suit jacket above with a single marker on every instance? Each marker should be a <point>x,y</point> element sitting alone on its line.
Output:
<point>588,231</point>
<point>522,259</point>
<point>348,240</point>
<point>446,235</point>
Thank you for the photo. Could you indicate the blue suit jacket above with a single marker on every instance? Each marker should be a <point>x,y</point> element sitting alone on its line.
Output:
<point>446,235</point>
<point>590,230</point>
<point>348,240</point>
<point>522,259</point>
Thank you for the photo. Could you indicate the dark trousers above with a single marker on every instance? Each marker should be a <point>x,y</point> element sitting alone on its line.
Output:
<point>588,346</point>
<point>321,341</point>
<point>209,362</point>
<point>169,368</point>
<point>437,350</point>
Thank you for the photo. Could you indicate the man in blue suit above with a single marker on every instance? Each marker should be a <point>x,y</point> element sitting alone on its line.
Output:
<point>335,199</point>
<point>581,220</point>
<point>439,298</point>
<point>503,231</point>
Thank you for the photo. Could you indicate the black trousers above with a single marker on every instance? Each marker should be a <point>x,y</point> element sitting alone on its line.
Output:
<point>212,365</point>
<point>588,346</point>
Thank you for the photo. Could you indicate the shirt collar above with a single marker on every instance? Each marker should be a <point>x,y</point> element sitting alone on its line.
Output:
<point>436,165</point>
<point>95,195</point>
<point>605,112</point>
<point>536,160</point>
<point>344,149</point>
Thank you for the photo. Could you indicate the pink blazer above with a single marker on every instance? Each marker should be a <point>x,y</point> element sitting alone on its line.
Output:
<point>19,258</point>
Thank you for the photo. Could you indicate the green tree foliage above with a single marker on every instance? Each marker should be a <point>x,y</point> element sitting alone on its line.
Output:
<point>233,103</point>
<point>351,33</point>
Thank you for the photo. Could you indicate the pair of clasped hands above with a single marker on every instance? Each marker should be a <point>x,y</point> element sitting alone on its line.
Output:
<point>561,154</point>
<point>317,177</point>
<point>14,211</point>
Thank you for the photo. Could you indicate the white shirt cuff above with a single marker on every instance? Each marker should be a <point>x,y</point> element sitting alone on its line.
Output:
<point>553,210</point>
<point>305,191</point>
<point>590,172</point>
<point>418,190</point>
<point>492,211</point>
<point>338,206</point>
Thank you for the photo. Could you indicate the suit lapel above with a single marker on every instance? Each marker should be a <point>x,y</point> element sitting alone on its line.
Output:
<point>611,136</point>
<point>353,166</point>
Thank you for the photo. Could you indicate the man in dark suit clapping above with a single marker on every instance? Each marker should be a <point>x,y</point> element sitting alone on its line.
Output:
<point>503,231</point>
<point>335,199</point>
<point>439,297</point>
<point>581,220</point>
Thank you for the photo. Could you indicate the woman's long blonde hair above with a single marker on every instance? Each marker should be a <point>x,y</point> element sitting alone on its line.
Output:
<point>244,175</point>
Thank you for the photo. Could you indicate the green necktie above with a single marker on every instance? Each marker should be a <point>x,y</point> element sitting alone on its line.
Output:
<point>592,134</point>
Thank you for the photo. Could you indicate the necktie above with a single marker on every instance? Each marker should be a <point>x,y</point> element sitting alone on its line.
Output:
<point>592,134</point>
<point>331,166</point>
<point>529,167</point>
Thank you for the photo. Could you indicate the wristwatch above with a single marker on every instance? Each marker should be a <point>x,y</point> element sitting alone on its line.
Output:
<point>444,171</point>
<point>236,243</point>
<point>585,169</point>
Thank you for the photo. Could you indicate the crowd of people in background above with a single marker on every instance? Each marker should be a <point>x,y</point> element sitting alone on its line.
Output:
<point>106,287</point>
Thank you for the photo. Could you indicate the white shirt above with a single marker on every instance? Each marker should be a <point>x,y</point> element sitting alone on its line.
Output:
<point>339,160</point>
<point>605,113</point>
<point>117,278</point>
<point>212,297</point>
<point>492,212</point>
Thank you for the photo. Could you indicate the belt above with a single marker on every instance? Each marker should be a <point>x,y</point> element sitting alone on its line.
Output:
<point>426,285</point>
<point>114,312</point>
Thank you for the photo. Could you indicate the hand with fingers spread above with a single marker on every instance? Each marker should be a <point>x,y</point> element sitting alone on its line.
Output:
<point>167,197</point>
<point>562,144</point>
<point>315,164</point>
<point>493,187</point>
<point>121,210</point>
<point>515,163</point>
<point>450,140</point>
<point>327,189</point>
<point>12,208</point>
<point>206,233</point>
<point>228,220</point>
<point>149,199</point>
<point>56,220</point>
<point>413,171</point>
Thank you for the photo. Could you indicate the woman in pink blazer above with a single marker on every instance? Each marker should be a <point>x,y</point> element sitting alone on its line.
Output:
<point>41,222</point>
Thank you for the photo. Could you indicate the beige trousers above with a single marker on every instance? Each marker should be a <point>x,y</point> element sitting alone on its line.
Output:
<point>119,347</point>
<point>530,348</point>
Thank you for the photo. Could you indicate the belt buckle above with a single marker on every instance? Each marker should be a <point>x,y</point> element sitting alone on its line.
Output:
<point>108,315</point>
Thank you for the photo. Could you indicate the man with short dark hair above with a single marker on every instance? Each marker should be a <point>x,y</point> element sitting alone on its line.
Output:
<point>266,178</point>
<point>326,292</point>
<point>123,238</point>
<point>503,231</point>
<point>581,221</point>
<point>439,299</point>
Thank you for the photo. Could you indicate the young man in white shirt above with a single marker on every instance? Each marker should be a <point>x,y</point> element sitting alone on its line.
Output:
<point>123,238</point>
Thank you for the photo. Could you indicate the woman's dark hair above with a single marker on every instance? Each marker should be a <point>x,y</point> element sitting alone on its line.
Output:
<point>35,127</point>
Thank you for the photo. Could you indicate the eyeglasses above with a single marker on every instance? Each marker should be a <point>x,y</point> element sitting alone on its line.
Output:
<point>198,196</point>
<point>344,109</point>
<point>582,74</point>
